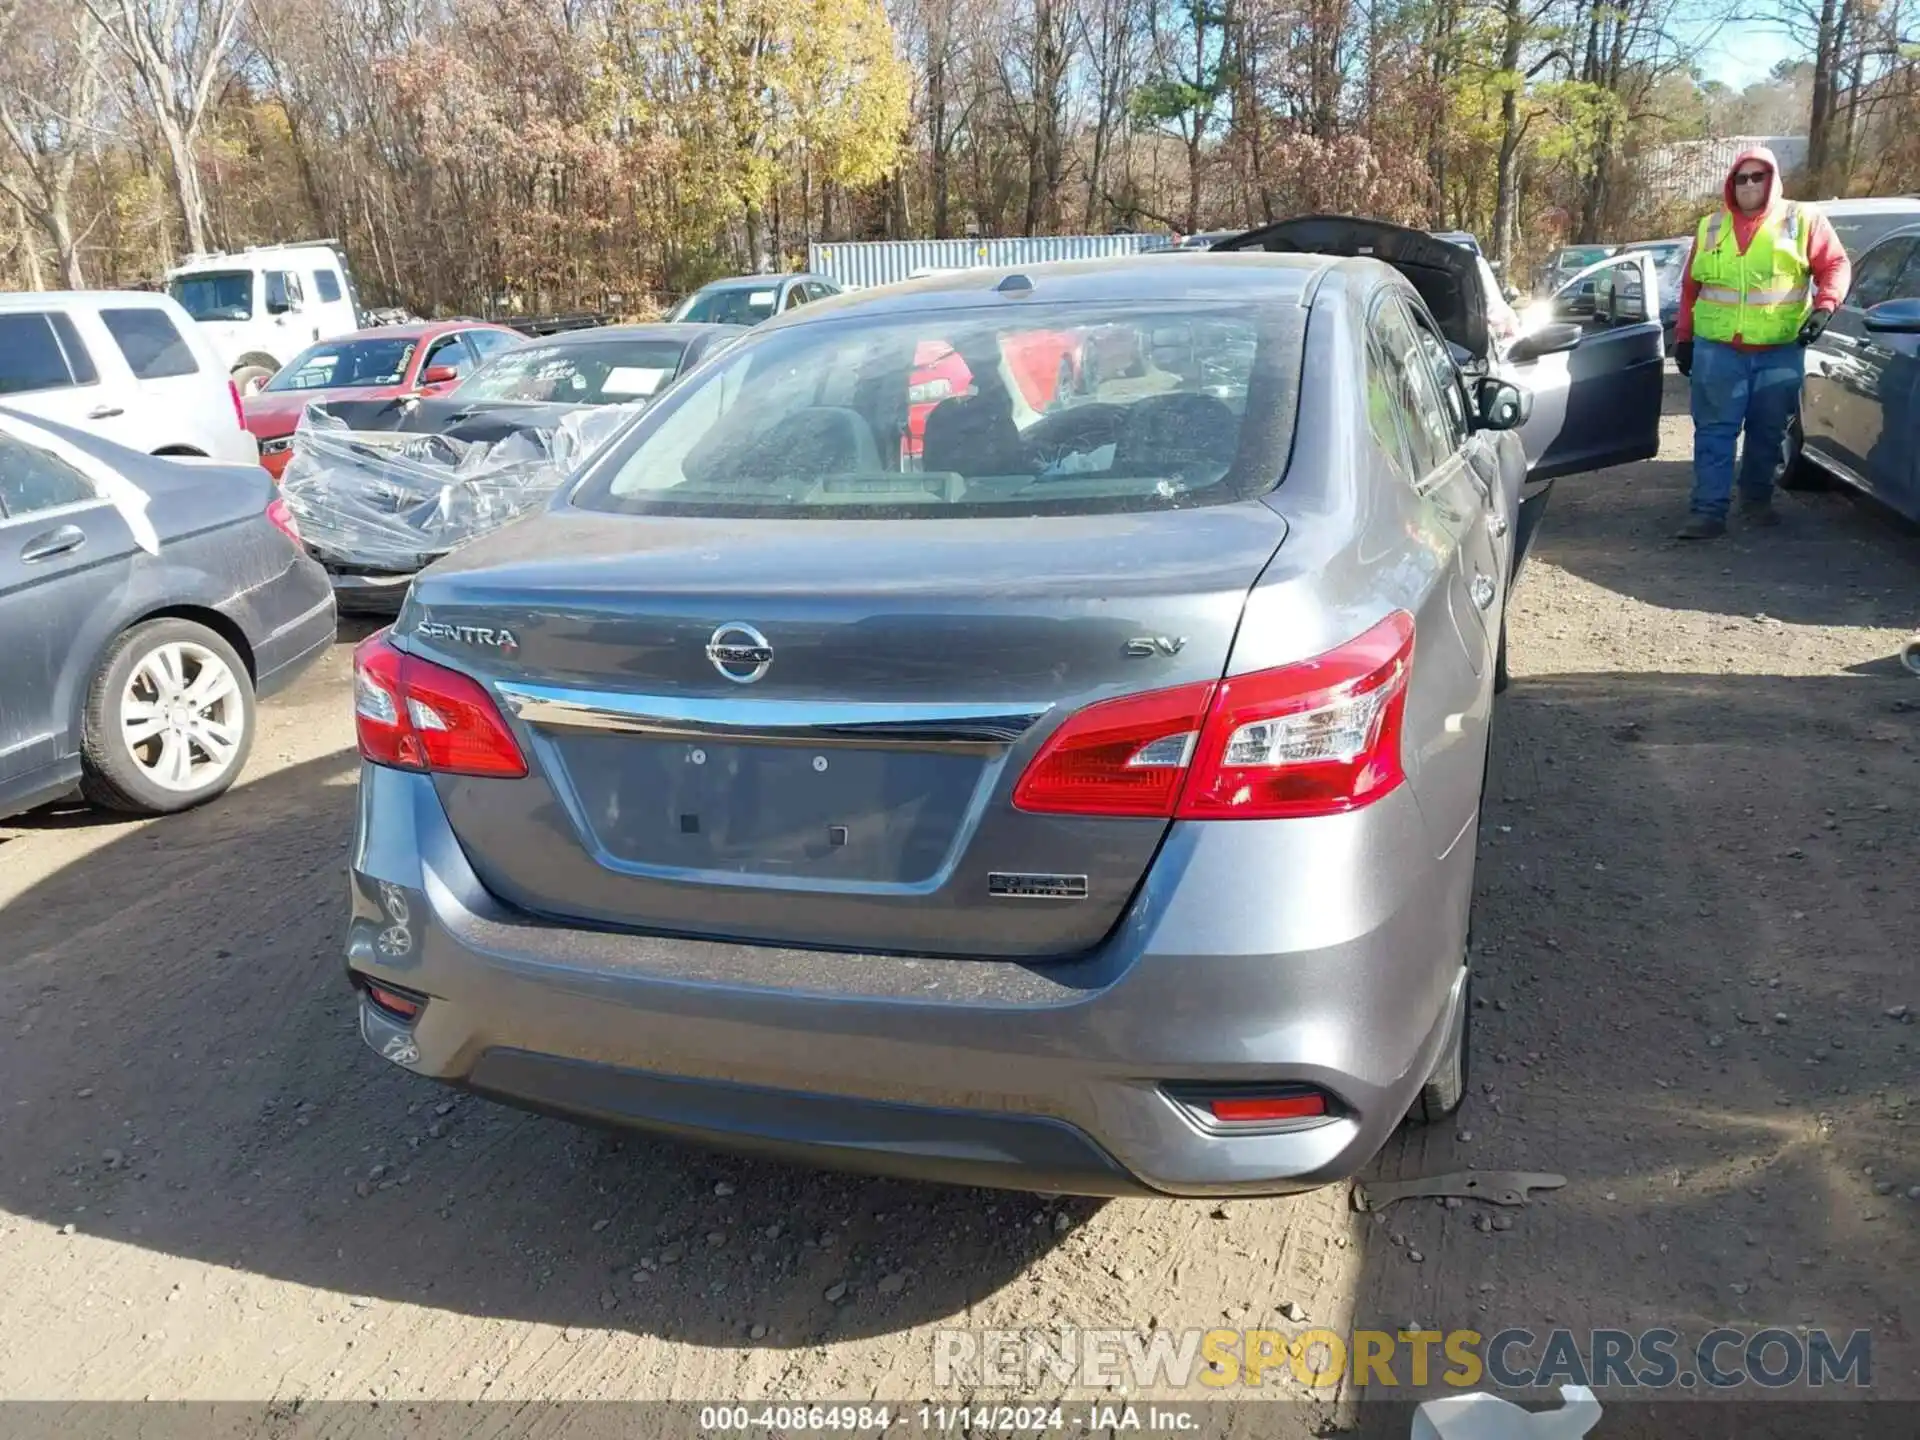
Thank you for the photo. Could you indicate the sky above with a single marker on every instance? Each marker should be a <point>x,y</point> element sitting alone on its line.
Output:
<point>1741,55</point>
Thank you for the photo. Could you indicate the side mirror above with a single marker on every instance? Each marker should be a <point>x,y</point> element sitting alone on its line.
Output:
<point>439,375</point>
<point>1501,405</point>
<point>1547,340</point>
<point>1895,317</point>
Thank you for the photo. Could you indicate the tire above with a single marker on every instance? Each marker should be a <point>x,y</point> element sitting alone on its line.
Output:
<point>1801,473</point>
<point>1446,1087</point>
<point>193,750</point>
<point>252,372</point>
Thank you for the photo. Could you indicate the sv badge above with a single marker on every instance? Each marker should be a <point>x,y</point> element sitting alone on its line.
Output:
<point>1145,647</point>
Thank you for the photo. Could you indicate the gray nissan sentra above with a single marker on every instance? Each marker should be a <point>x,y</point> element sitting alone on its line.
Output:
<point>1080,796</point>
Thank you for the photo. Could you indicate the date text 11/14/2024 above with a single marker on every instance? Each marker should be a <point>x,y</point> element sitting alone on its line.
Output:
<point>1102,1416</point>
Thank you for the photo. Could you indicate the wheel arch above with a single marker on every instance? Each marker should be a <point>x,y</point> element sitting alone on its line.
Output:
<point>221,625</point>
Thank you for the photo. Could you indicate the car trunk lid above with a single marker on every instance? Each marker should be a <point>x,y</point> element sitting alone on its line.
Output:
<point>1444,273</point>
<point>807,732</point>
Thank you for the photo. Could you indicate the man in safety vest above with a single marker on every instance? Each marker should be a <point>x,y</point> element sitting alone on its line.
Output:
<point>1762,280</point>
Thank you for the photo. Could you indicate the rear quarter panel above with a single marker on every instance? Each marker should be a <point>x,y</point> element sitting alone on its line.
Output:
<point>217,553</point>
<point>1361,543</point>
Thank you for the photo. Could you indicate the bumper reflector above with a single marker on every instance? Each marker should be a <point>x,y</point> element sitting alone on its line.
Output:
<point>395,1003</point>
<point>1265,1109</point>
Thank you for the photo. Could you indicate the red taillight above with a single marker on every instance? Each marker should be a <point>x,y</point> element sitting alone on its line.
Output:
<point>414,715</point>
<point>1258,1109</point>
<point>1316,738</point>
<point>1120,757</point>
<point>239,410</point>
<point>282,517</point>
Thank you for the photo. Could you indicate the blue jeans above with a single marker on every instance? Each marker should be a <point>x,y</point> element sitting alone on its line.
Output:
<point>1758,390</point>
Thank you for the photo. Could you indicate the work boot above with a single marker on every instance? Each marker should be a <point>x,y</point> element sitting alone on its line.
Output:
<point>1701,527</point>
<point>1757,514</point>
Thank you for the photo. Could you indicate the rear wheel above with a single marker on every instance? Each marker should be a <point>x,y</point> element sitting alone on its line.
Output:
<point>169,720</point>
<point>252,372</point>
<point>1801,473</point>
<point>1446,1087</point>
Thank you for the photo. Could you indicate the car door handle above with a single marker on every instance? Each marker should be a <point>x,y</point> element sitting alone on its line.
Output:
<point>104,412</point>
<point>1499,525</point>
<point>1483,590</point>
<point>53,542</point>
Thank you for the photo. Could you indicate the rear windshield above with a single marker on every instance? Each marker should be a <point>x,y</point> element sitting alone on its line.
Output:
<point>347,364</point>
<point>1009,410</point>
<point>605,372</point>
<point>215,294</point>
<point>733,305</point>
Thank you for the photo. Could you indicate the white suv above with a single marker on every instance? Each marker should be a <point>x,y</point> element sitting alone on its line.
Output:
<point>264,305</point>
<point>128,366</point>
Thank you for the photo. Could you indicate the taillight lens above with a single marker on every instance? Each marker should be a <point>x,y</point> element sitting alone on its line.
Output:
<point>1316,738</point>
<point>1119,757</point>
<point>239,410</point>
<point>414,715</point>
<point>281,515</point>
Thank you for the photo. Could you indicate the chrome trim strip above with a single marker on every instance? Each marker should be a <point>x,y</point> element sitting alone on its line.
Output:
<point>302,618</point>
<point>982,728</point>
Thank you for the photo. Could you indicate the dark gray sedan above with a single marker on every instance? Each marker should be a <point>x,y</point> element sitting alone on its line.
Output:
<point>1082,799</point>
<point>1860,410</point>
<point>145,604</point>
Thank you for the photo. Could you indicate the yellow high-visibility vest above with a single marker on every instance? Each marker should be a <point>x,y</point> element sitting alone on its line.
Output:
<point>1763,296</point>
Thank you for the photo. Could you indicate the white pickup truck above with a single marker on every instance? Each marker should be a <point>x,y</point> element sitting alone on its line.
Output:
<point>262,306</point>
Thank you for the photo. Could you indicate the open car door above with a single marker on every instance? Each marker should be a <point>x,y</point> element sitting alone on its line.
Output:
<point>1446,275</point>
<point>1594,358</point>
<point>1592,355</point>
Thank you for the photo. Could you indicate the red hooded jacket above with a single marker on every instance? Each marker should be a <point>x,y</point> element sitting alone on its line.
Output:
<point>1832,271</point>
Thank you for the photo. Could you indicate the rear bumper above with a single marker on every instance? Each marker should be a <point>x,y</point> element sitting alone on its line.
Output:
<point>365,594</point>
<point>1047,1076</point>
<point>305,623</point>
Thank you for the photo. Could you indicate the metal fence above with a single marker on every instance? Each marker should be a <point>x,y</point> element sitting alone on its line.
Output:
<point>862,263</point>
<point>1697,168</point>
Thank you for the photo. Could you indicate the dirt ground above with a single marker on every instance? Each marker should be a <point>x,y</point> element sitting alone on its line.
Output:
<point>1696,928</point>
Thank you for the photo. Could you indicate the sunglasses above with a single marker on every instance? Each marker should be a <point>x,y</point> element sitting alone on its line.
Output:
<point>1752,177</point>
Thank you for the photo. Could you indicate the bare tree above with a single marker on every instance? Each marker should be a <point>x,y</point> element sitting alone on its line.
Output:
<point>177,49</point>
<point>49,87</point>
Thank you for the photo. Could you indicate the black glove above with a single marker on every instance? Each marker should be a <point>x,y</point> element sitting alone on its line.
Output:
<point>1683,356</point>
<point>1815,326</point>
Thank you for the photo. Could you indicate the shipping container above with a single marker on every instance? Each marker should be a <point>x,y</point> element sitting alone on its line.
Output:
<point>859,264</point>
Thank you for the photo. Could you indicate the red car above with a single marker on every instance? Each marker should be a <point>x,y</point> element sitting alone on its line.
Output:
<point>377,364</point>
<point>1044,364</point>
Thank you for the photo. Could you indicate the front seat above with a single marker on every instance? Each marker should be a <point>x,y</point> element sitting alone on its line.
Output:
<point>973,435</point>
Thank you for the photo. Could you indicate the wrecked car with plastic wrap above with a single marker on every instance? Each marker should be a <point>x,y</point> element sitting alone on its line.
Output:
<point>383,487</point>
